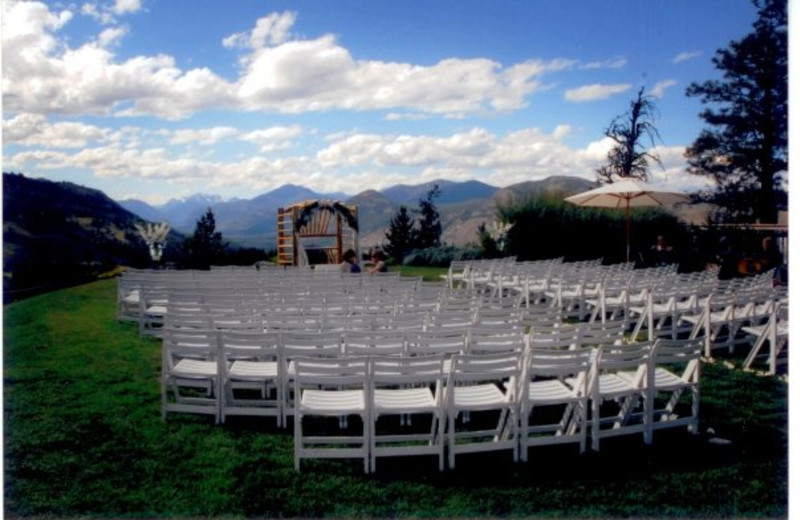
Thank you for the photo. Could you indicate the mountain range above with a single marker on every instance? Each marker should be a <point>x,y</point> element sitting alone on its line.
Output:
<point>462,207</point>
<point>59,233</point>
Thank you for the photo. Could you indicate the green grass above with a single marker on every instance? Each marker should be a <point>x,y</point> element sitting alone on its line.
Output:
<point>84,437</point>
<point>428,274</point>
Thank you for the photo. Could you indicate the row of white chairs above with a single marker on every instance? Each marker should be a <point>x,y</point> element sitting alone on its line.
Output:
<point>246,286</point>
<point>539,397</point>
<point>158,307</point>
<point>454,386</point>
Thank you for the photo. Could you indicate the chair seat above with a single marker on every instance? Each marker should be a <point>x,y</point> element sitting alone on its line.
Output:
<point>478,396</point>
<point>194,368</point>
<point>666,380</point>
<point>132,297</point>
<point>157,310</point>
<point>406,399</point>
<point>332,402</point>
<point>542,392</point>
<point>612,385</point>
<point>253,370</point>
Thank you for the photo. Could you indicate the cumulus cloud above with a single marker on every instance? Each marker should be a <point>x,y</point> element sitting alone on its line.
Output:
<point>272,29</point>
<point>278,74</point>
<point>273,138</point>
<point>126,6</point>
<point>345,162</point>
<point>107,14</point>
<point>594,92</point>
<point>614,63</point>
<point>662,86</point>
<point>686,56</point>
<point>204,136</point>
<point>34,130</point>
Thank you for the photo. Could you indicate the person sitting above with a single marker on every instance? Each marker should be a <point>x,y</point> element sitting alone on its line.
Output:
<point>662,252</point>
<point>350,262</point>
<point>771,256</point>
<point>378,262</point>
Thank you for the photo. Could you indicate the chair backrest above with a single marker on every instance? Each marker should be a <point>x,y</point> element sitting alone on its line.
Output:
<point>561,337</point>
<point>681,355</point>
<point>310,344</point>
<point>480,339</point>
<point>189,343</point>
<point>599,333</point>
<point>473,368</point>
<point>438,341</point>
<point>626,358</point>
<point>391,370</point>
<point>377,342</point>
<point>559,364</point>
<point>331,372</point>
<point>243,343</point>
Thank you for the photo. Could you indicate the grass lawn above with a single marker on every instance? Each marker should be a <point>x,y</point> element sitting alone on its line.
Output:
<point>84,437</point>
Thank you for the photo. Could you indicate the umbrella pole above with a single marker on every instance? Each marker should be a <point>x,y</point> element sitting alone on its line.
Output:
<point>628,232</point>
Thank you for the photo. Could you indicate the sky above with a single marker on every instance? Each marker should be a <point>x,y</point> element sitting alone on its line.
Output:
<point>158,99</point>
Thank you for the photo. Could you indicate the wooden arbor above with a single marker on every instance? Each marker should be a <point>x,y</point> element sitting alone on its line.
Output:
<point>316,232</point>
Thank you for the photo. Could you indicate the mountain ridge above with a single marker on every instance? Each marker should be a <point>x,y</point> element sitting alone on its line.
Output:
<point>462,205</point>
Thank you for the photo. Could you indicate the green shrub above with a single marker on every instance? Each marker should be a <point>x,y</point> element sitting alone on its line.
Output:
<point>547,227</point>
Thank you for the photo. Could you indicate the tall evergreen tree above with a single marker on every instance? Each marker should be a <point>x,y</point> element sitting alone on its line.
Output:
<point>429,233</point>
<point>632,132</point>
<point>399,237</point>
<point>205,247</point>
<point>745,148</point>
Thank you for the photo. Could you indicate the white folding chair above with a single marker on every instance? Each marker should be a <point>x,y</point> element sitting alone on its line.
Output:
<point>308,345</point>
<point>331,387</point>
<point>775,333</point>
<point>483,383</point>
<point>674,369</point>
<point>552,411</point>
<point>618,391</point>
<point>190,372</point>
<point>401,387</point>
<point>252,374</point>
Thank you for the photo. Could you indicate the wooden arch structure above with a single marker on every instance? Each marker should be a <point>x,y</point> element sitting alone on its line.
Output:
<point>316,232</point>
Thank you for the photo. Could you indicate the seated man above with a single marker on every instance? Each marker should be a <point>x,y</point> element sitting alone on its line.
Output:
<point>350,262</point>
<point>378,262</point>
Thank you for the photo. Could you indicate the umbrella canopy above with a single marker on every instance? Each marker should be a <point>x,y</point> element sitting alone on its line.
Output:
<point>628,194</point>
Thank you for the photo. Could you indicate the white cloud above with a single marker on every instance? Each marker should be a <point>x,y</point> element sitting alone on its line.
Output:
<point>314,75</point>
<point>126,6</point>
<point>106,14</point>
<point>561,131</point>
<point>594,92</point>
<point>685,56</point>
<point>406,116</point>
<point>277,75</point>
<point>660,87</point>
<point>204,136</point>
<point>614,63</point>
<point>501,160</point>
<point>274,138</point>
<point>272,29</point>
<point>111,36</point>
<point>34,130</point>
<point>349,163</point>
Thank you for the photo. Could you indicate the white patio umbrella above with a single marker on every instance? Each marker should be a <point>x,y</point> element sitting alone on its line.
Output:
<point>628,194</point>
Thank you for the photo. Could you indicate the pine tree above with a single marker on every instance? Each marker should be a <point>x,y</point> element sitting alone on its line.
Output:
<point>430,228</point>
<point>400,235</point>
<point>745,148</point>
<point>205,247</point>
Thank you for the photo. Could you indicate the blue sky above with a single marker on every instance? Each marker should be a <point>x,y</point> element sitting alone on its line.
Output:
<point>154,99</point>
